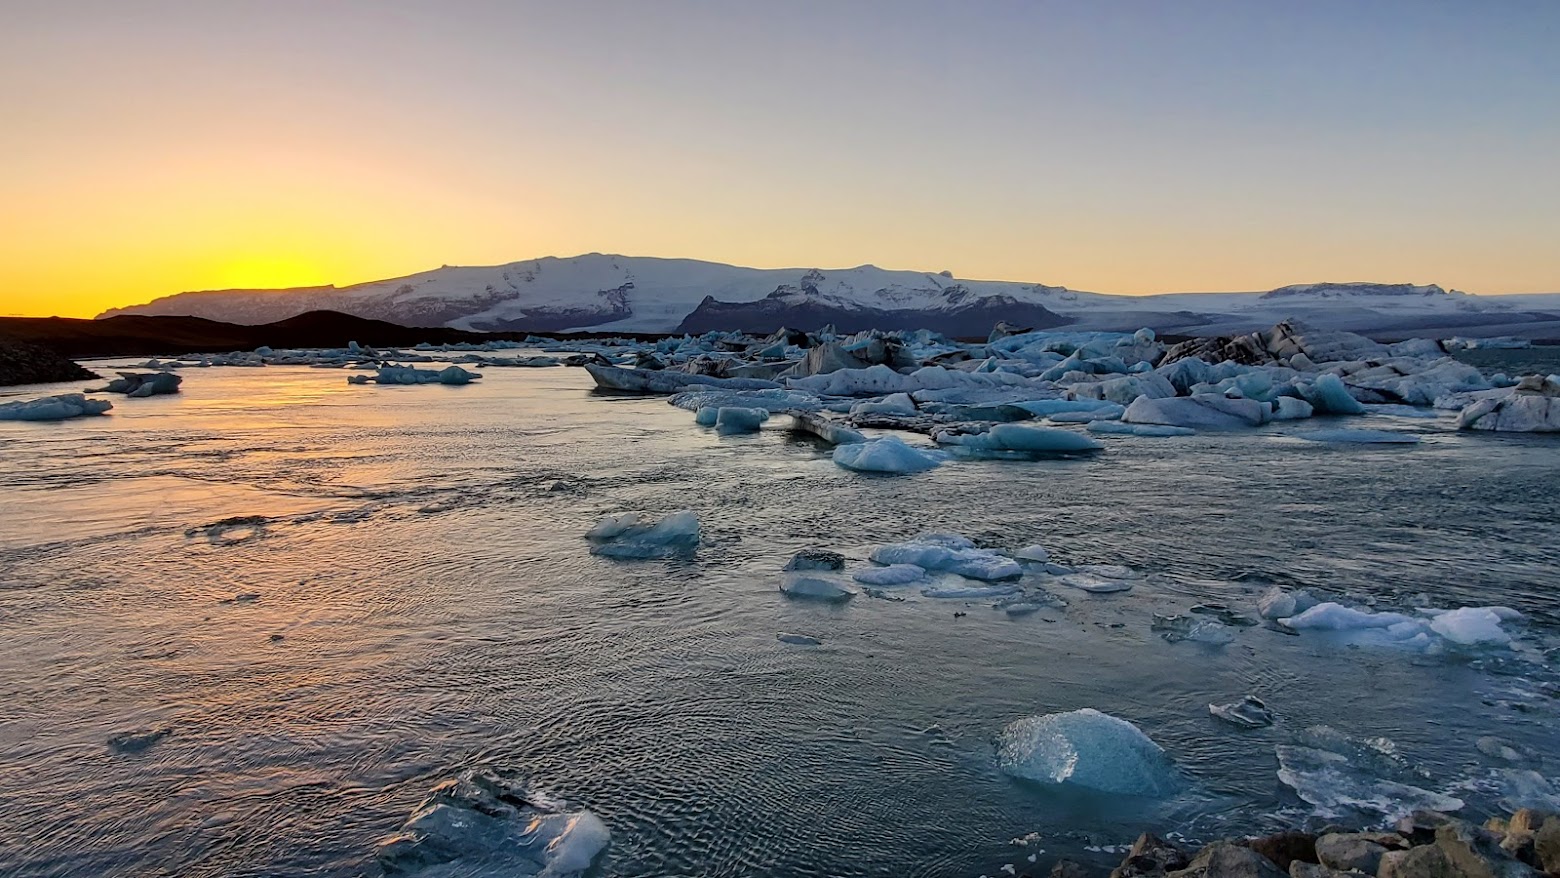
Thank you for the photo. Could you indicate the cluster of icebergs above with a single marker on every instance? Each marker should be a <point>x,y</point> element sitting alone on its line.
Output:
<point>451,375</point>
<point>1423,629</point>
<point>1034,394</point>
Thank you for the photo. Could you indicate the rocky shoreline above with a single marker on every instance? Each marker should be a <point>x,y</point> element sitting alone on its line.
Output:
<point>1427,844</point>
<point>25,363</point>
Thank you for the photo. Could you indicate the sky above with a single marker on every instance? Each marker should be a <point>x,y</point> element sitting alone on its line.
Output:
<point>1130,146</point>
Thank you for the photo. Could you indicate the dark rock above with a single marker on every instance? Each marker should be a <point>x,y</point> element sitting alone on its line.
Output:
<point>1068,869</point>
<point>1352,852</point>
<point>1299,869</point>
<point>1150,855</point>
<point>26,363</point>
<point>1425,861</point>
<point>1284,848</point>
<point>1476,853</point>
<point>816,559</point>
<point>138,740</point>
<point>1546,845</point>
<point>1224,859</point>
<point>1419,828</point>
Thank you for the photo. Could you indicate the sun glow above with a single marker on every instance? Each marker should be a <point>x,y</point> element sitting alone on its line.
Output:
<point>270,272</point>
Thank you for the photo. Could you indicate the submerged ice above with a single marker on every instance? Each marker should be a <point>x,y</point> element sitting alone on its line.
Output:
<point>630,536</point>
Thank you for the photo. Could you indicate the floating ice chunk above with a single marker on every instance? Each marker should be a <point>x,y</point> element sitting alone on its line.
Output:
<point>1288,408</point>
<point>143,384</point>
<point>705,416</point>
<point>1471,626</point>
<point>54,408</point>
<point>1336,617</point>
<point>1036,554</point>
<point>986,564</point>
<point>1277,603</point>
<point>893,574</point>
<point>626,536</point>
<point>1086,748</point>
<point>1180,628</point>
<point>493,823</point>
<point>735,419</point>
<point>1329,396</point>
<point>816,585</point>
<point>893,404</point>
<point>1533,406</point>
<point>1248,713</point>
<point>1094,584</point>
<point>1369,437</point>
<point>993,590</point>
<point>456,376</point>
<point>1340,774</point>
<point>1117,428</point>
<point>798,639</point>
<point>1212,411</point>
<point>889,454</point>
<point>1019,437</point>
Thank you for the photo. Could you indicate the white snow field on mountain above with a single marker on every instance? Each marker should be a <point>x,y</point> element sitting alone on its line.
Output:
<point>608,293</point>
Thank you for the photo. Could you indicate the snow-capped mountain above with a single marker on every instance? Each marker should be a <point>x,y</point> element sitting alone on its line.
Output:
<point>608,293</point>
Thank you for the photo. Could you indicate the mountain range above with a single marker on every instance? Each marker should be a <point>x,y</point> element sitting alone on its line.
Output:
<point>605,293</point>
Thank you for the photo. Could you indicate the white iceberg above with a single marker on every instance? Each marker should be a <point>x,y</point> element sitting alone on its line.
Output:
<point>1037,554</point>
<point>1333,616</point>
<point>1471,626</point>
<point>889,454</point>
<point>1086,748</point>
<point>54,408</point>
<point>966,561</point>
<point>1211,411</point>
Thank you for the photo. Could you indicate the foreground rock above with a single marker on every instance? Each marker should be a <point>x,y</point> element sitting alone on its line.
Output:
<point>1427,845</point>
<point>26,363</point>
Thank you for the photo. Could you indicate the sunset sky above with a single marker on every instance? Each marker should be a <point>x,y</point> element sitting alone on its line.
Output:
<point>150,146</point>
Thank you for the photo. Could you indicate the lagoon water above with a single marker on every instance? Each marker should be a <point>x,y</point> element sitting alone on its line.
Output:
<point>418,600</point>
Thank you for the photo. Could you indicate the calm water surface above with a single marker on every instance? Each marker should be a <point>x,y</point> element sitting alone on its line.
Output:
<point>421,560</point>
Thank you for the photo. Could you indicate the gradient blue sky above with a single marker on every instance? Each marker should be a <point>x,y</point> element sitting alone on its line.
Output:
<point>1133,147</point>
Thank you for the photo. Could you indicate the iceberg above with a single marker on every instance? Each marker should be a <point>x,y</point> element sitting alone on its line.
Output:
<point>54,408</point>
<point>889,454</point>
<point>815,585</point>
<point>142,384</point>
<point>1036,554</point>
<point>893,574</point>
<point>963,560</point>
<point>1533,406</point>
<point>706,415</point>
<point>1018,437</point>
<point>627,536</point>
<point>1332,616</point>
<point>893,404</point>
<point>486,822</point>
<point>735,419</point>
<point>1329,396</point>
<point>452,375</point>
<point>1211,411</point>
<point>1086,748</point>
<point>1471,626</point>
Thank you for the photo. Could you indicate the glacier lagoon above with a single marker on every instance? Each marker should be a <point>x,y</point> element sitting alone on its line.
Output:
<point>247,628</point>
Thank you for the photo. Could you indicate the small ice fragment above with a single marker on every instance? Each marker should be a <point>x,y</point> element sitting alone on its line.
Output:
<point>1036,554</point>
<point>816,586</point>
<point>1094,584</point>
<point>1248,713</point>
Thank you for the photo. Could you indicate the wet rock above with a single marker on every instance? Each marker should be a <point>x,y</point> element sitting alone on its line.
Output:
<point>1419,827</point>
<point>1546,845</point>
<point>1476,853</point>
<point>816,559</point>
<point>26,363</point>
<point>1299,869</point>
<point>1425,861</point>
<point>1351,852</point>
<point>1068,869</point>
<point>1285,848</point>
<point>1150,855</point>
<point>1224,859</point>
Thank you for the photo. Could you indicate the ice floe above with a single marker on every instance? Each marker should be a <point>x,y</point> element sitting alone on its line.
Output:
<point>629,536</point>
<point>1342,775</point>
<point>54,408</point>
<point>889,454</point>
<point>1086,748</point>
<point>490,823</point>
